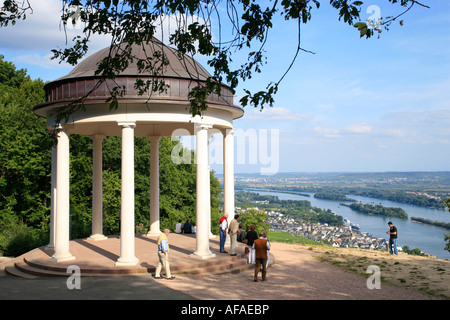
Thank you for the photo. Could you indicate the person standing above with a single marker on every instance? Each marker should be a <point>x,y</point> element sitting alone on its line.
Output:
<point>163,255</point>
<point>261,247</point>
<point>268,255</point>
<point>233,231</point>
<point>250,237</point>
<point>392,238</point>
<point>223,226</point>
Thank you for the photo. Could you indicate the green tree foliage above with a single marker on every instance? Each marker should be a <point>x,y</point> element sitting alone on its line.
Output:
<point>332,196</point>
<point>447,236</point>
<point>25,174</point>
<point>440,224</point>
<point>415,251</point>
<point>256,217</point>
<point>447,240</point>
<point>398,196</point>
<point>378,210</point>
<point>25,159</point>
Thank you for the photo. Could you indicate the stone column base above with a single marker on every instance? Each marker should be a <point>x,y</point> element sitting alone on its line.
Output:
<point>97,237</point>
<point>201,255</point>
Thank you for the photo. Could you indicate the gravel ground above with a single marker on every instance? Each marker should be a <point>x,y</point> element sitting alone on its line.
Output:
<point>296,275</point>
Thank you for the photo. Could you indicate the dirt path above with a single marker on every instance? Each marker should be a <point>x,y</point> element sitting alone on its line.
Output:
<point>296,275</point>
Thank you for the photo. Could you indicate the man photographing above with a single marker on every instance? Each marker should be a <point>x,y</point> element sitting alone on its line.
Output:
<point>392,238</point>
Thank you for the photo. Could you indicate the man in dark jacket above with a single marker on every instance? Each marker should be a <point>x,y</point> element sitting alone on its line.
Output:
<point>187,227</point>
<point>261,247</point>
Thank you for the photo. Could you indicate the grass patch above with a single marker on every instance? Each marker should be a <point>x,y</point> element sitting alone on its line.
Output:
<point>285,237</point>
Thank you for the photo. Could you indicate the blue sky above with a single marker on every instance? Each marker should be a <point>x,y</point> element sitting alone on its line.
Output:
<point>356,105</point>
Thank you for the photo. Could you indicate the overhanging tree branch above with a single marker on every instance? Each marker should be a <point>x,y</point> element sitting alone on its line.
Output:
<point>137,21</point>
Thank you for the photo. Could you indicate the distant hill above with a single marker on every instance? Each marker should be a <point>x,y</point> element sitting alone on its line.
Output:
<point>425,177</point>
<point>425,189</point>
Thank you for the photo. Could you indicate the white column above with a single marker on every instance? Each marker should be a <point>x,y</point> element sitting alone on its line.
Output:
<point>203,196</point>
<point>228,175</point>
<point>51,244</point>
<point>154,187</point>
<point>127,227</point>
<point>61,244</point>
<point>97,189</point>
<point>211,235</point>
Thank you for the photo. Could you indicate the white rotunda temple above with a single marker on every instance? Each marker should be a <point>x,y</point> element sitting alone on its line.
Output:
<point>154,115</point>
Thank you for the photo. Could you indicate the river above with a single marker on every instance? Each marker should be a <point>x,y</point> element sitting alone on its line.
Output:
<point>414,235</point>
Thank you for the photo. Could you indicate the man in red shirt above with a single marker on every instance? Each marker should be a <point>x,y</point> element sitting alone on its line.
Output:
<point>223,226</point>
<point>261,247</point>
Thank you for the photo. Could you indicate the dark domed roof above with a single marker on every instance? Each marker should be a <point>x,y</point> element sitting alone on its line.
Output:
<point>180,74</point>
<point>177,64</point>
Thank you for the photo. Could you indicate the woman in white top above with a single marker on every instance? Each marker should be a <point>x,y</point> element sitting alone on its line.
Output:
<point>178,227</point>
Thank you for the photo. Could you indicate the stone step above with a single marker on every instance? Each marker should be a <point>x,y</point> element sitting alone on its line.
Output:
<point>246,266</point>
<point>27,268</point>
<point>37,266</point>
<point>98,259</point>
<point>12,270</point>
<point>208,264</point>
<point>237,264</point>
<point>24,267</point>
<point>236,269</point>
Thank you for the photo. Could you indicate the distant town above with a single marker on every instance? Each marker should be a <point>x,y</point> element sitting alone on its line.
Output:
<point>347,236</point>
<point>343,236</point>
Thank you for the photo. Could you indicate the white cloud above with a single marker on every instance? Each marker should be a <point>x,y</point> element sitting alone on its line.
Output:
<point>423,117</point>
<point>43,61</point>
<point>325,107</point>
<point>395,132</point>
<point>42,31</point>
<point>327,132</point>
<point>276,114</point>
<point>30,41</point>
<point>359,128</point>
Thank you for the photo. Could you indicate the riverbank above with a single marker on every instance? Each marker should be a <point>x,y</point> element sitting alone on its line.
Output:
<point>437,224</point>
<point>431,239</point>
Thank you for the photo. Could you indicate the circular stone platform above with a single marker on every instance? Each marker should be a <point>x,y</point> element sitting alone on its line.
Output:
<point>97,258</point>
